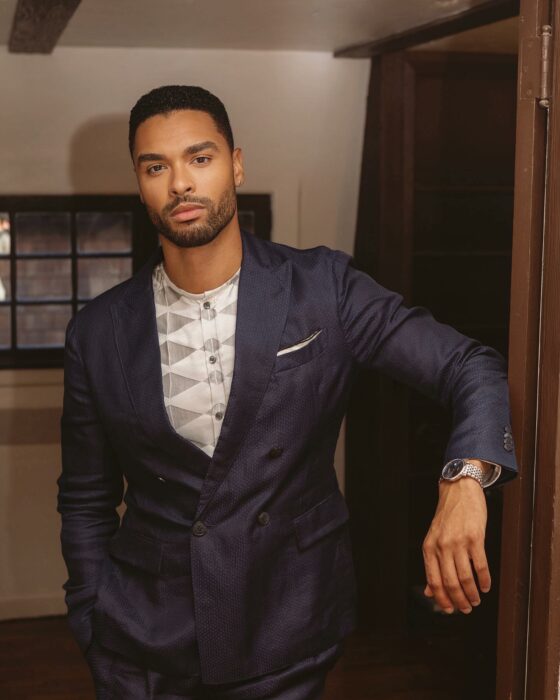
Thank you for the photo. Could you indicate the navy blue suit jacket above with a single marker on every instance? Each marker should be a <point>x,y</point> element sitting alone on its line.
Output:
<point>268,590</point>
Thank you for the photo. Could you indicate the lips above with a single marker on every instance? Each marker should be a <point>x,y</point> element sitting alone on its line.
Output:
<point>185,213</point>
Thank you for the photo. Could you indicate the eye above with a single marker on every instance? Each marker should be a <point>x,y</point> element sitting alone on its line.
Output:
<point>151,171</point>
<point>203,157</point>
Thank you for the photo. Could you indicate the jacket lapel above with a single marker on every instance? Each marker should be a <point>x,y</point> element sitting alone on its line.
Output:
<point>263,299</point>
<point>136,335</point>
<point>262,306</point>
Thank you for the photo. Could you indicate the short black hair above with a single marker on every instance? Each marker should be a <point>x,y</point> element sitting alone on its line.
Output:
<point>169,98</point>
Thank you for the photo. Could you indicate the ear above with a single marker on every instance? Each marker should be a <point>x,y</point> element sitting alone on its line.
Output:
<point>238,170</point>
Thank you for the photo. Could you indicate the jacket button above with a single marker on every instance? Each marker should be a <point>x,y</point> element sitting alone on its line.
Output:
<point>199,529</point>
<point>264,518</point>
<point>275,452</point>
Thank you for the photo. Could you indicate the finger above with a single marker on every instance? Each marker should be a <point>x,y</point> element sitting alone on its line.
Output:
<point>428,591</point>
<point>433,575</point>
<point>451,583</point>
<point>480,563</point>
<point>466,576</point>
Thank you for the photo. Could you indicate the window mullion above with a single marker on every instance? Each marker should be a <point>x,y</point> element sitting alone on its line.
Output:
<point>13,279</point>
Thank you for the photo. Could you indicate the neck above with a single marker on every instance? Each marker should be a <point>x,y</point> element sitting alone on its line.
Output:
<point>204,267</point>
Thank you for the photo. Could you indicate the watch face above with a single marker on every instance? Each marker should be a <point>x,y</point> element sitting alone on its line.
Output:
<point>453,469</point>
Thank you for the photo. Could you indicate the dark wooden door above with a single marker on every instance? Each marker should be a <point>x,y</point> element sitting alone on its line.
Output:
<point>401,234</point>
<point>435,224</point>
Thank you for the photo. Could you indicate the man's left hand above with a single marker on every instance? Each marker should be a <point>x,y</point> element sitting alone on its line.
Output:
<point>455,538</point>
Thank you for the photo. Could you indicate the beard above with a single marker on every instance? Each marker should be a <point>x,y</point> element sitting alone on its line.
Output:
<point>189,234</point>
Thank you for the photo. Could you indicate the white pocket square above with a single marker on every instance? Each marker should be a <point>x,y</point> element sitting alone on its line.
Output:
<point>301,344</point>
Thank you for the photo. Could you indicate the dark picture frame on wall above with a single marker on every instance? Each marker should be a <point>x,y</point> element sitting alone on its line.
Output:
<point>57,252</point>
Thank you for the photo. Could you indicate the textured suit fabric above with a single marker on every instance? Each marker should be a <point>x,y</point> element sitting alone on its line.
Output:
<point>248,550</point>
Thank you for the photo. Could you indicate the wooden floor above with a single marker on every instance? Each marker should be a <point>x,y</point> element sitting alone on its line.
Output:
<point>39,660</point>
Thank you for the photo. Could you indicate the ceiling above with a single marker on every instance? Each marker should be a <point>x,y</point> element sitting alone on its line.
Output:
<point>308,25</point>
<point>499,37</point>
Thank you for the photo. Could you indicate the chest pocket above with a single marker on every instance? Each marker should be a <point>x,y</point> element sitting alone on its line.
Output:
<point>302,350</point>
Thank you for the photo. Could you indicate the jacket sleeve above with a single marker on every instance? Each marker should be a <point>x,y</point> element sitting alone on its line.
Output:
<point>90,488</point>
<point>408,344</point>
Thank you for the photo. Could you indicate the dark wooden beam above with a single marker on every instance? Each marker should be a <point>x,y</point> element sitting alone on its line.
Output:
<point>478,16</point>
<point>38,24</point>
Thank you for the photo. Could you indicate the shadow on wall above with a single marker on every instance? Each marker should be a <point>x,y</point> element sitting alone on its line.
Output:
<point>99,159</point>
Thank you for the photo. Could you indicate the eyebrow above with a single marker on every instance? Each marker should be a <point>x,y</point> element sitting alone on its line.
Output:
<point>189,151</point>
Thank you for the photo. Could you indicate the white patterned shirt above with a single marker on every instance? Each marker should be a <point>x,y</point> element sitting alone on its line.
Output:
<point>196,341</point>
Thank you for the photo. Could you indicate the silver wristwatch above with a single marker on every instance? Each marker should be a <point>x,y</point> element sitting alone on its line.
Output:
<point>457,468</point>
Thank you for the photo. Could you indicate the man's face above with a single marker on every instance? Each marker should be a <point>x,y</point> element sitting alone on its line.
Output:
<point>181,159</point>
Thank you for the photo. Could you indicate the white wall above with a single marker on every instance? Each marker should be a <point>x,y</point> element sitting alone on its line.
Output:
<point>299,117</point>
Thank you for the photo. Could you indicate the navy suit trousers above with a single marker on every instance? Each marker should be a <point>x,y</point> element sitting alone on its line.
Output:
<point>117,678</point>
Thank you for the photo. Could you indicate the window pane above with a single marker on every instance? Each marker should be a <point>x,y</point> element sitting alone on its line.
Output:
<point>4,233</point>
<point>42,232</point>
<point>104,232</point>
<point>5,327</point>
<point>42,325</point>
<point>95,275</point>
<point>44,279</point>
<point>5,280</point>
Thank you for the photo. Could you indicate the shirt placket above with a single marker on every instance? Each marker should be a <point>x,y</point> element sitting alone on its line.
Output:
<point>212,354</point>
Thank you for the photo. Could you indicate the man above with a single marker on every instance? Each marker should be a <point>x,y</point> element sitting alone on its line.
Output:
<point>215,380</point>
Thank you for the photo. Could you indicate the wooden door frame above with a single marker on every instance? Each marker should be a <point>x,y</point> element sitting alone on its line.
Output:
<point>528,650</point>
<point>543,652</point>
<point>528,654</point>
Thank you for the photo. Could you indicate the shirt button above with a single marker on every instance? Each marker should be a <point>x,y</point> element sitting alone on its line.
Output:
<point>206,305</point>
<point>264,518</point>
<point>199,529</point>
<point>219,415</point>
<point>275,452</point>
<point>212,359</point>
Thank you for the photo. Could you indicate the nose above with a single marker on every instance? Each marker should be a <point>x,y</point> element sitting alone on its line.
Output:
<point>181,183</point>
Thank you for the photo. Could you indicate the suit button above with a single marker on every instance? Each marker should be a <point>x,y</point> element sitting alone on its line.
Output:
<point>264,518</point>
<point>199,529</point>
<point>275,452</point>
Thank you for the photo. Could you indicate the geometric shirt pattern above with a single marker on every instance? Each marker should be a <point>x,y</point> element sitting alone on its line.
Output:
<point>197,346</point>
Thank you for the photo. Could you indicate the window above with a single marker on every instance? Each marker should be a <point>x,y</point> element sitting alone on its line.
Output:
<point>59,252</point>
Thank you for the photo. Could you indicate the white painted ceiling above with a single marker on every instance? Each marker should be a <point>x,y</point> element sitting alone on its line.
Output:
<point>308,25</point>
<point>499,37</point>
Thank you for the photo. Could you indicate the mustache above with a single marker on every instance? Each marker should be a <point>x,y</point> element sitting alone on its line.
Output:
<point>204,201</point>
